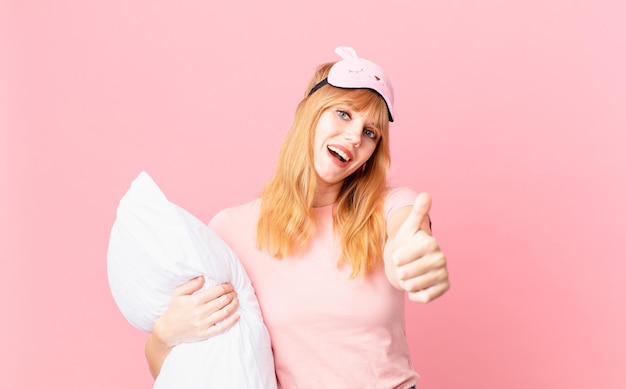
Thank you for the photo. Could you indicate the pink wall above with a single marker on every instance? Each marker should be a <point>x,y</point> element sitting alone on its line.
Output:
<point>512,114</point>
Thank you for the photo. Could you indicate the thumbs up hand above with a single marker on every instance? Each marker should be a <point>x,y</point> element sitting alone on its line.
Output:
<point>413,260</point>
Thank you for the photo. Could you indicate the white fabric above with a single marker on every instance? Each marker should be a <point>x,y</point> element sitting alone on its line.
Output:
<point>154,247</point>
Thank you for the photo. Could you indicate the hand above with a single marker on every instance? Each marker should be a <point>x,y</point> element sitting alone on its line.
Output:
<point>194,315</point>
<point>418,262</point>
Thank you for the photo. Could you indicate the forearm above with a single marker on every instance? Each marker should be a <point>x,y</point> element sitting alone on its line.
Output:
<point>156,352</point>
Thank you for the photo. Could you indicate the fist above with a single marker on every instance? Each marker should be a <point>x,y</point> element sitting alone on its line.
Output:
<point>415,259</point>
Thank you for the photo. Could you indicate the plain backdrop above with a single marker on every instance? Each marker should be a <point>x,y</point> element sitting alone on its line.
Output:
<point>512,114</point>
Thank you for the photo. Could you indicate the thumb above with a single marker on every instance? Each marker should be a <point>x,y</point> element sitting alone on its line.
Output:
<point>189,287</point>
<point>419,212</point>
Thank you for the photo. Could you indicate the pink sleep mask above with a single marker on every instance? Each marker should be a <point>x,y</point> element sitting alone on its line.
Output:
<point>353,72</point>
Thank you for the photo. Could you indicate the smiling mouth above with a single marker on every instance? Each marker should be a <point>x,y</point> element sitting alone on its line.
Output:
<point>340,155</point>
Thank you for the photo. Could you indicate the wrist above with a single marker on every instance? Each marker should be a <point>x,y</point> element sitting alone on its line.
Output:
<point>160,338</point>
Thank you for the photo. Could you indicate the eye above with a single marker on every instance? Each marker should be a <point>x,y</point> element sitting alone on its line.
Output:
<point>343,114</point>
<point>369,133</point>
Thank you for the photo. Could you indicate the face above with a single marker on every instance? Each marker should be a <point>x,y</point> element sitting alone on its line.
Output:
<point>344,141</point>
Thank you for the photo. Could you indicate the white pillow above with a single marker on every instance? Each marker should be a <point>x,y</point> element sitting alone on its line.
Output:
<point>156,246</point>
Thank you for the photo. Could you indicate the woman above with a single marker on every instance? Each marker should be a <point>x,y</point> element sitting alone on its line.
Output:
<point>330,249</point>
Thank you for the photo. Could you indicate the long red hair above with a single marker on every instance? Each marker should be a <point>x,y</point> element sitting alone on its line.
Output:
<point>287,221</point>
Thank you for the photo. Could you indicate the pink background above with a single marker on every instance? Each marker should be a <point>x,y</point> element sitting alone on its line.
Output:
<point>512,114</point>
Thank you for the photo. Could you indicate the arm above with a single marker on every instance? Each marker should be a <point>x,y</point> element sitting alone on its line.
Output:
<point>156,352</point>
<point>413,260</point>
<point>192,315</point>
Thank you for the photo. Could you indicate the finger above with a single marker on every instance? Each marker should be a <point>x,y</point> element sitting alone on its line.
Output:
<point>425,280</point>
<point>422,265</point>
<point>222,326</point>
<point>213,292</point>
<point>220,303</point>
<point>226,313</point>
<point>428,295</point>
<point>216,311</point>
<point>420,244</point>
<point>189,287</point>
<point>416,217</point>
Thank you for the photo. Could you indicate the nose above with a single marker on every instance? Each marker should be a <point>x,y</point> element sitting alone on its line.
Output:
<point>353,133</point>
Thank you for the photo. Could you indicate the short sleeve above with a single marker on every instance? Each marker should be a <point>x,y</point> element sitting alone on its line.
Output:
<point>397,198</point>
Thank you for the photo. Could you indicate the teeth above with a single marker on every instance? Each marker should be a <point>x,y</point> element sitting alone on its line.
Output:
<point>340,153</point>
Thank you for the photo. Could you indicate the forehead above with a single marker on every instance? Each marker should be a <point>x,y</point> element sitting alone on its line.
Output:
<point>365,101</point>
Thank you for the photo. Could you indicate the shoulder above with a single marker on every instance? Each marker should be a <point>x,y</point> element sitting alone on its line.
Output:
<point>397,198</point>
<point>242,214</point>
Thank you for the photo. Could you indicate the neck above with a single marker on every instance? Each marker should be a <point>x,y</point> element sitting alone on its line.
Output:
<point>326,194</point>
